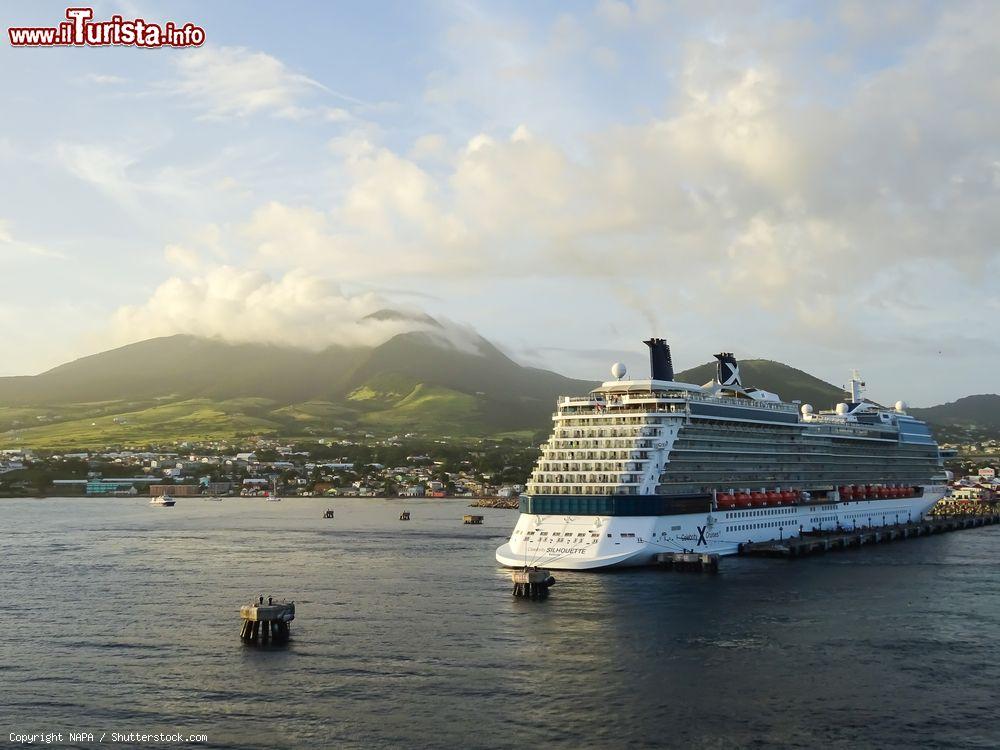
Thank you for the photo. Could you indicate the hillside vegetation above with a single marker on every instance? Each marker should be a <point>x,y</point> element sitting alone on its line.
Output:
<point>186,388</point>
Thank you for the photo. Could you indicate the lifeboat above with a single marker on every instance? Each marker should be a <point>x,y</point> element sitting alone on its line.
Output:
<point>788,496</point>
<point>907,492</point>
<point>881,493</point>
<point>725,500</point>
<point>742,500</point>
<point>869,491</point>
<point>846,493</point>
<point>773,498</point>
<point>757,499</point>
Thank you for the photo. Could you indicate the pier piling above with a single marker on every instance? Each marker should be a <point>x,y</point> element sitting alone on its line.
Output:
<point>688,562</point>
<point>268,622</point>
<point>532,583</point>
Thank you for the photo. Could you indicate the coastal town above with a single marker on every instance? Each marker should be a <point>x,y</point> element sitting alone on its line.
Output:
<point>487,471</point>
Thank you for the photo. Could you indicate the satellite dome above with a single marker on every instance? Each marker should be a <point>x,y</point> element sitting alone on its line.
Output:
<point>842,408</point>
<point>618,370</point>
<point>902,406</point>
<point>806,410</point>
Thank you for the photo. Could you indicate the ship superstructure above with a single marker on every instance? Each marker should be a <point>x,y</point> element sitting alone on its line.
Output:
<point>638,467</point>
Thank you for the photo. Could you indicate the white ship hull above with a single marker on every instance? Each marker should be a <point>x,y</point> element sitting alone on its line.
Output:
<point>596,542</point>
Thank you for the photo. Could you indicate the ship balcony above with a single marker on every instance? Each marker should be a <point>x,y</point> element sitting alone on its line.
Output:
<point>562,443</point>
<point>580,454</point>
<point>552,477</point>
<point>550,467</point>
<point>582,488</point>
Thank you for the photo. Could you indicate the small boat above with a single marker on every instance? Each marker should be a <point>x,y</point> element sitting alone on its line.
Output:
<point>165,501</point>
<point>329,513</point>
<point>212,498</point>
<point>272,496</point>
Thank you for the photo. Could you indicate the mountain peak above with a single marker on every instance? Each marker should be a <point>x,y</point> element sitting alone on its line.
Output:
<point>388,314</point>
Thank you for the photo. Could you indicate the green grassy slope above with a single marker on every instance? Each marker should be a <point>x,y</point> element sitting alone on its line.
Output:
<point>180,367</point>
<point>982,410</point>
<point>183,388</point>
<point>191,419</point>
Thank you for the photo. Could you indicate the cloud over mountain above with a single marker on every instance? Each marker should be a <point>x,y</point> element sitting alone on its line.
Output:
<point>820,182</point>
<point>297,309</point>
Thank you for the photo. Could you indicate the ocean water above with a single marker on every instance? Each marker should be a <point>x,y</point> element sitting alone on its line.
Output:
<point>119,617</point>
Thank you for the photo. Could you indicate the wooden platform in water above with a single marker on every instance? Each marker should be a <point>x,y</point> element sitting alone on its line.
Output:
<point>815,542</point>
<point>688,561</point>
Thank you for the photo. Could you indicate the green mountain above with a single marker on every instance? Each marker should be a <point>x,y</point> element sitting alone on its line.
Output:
<point>979,411</point>
<point>178,367</point>
<point>182,387</point>
<point>437,381</point>
<point>787,382</point>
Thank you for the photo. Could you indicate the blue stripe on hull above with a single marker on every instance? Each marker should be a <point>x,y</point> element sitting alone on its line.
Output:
<point>615,505</point>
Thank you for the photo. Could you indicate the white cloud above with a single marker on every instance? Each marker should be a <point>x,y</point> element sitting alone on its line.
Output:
<point>432,147</point>
<point>800,170</point>
<point>104,80</point>
<point>12,249</point>
<point>105,167</point>
<point>182,257</point>
<point>297,309</point>
<point>236,82</point>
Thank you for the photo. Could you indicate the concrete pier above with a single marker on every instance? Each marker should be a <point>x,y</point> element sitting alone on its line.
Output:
<point>532,583</point>
<point>688,561</point>
<point>823,541</point>
<point>265,622</point>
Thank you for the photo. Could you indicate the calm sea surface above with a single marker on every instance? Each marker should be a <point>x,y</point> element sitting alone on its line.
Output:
<point>119,617</point>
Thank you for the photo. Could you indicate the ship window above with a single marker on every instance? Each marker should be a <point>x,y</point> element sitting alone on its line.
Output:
<point>675,528</point>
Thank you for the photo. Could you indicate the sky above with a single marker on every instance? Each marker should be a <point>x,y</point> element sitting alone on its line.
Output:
<point>814,183</point>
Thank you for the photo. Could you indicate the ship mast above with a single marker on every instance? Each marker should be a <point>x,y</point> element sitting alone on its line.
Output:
<point>856,386</point>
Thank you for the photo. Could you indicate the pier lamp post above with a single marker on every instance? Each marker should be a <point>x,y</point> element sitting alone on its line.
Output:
<point>897,519</point>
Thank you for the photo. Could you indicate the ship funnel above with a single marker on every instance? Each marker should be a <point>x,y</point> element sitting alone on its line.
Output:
<point>661,367</point>
<point>728,370</point>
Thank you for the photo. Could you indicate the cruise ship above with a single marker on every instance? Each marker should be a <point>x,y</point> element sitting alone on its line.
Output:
<point>640,467</point>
